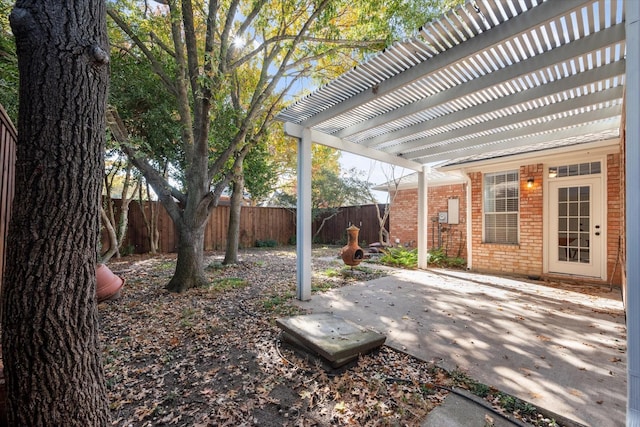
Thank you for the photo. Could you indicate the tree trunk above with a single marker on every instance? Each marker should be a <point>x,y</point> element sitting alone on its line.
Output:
<point>125,201</point>
<point>151,221</point>
<point>53,370</point>
<point>190,263</point>
<point>111,233</point>
<point>233,231</point>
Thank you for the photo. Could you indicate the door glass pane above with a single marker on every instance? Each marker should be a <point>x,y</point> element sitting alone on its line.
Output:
<point>573,224</point>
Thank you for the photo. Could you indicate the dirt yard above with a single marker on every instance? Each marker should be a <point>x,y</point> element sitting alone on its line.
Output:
<point>213,357</point>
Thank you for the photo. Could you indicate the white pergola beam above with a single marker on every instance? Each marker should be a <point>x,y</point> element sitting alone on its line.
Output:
<point>519,24</point>
<point>472,134</point>
<point>530,140</point>
<point>596,41</point>
<point>594,122</point>
<point>533,95</point>
<point>294,130</point>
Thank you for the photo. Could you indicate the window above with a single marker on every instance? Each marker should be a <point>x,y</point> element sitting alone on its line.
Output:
<point>577,169</point>
<point>501,197</point>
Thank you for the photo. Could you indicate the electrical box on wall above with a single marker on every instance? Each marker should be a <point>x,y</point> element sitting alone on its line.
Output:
<point>454,211</point>
<point>442,217</point>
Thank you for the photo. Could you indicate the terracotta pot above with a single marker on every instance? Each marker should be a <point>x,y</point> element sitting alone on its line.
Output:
<point>352,254</point>
<point>109,284</point>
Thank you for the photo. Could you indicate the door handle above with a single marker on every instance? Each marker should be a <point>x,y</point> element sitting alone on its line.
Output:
<point>597,230</point>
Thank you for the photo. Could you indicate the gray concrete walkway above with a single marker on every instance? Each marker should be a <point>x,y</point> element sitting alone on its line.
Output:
<point>562,347</point>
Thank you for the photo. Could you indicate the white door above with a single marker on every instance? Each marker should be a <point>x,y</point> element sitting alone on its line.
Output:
<point>576,228</point>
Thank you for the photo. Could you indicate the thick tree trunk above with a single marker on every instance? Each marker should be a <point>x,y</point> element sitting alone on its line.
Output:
<point>51,352</point>
<point>190,263</point>
<point>233,231</point>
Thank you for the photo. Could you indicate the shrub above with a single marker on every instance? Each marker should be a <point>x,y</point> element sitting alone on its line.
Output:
<point>408,258</point>
<point>439,258</point>
<point>270,243</point>
<point>400,257</point>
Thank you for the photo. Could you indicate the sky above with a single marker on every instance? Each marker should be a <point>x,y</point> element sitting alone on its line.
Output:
<point>375,171</point>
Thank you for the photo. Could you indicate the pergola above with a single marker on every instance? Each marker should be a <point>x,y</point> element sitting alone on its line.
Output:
<point>490,79</point>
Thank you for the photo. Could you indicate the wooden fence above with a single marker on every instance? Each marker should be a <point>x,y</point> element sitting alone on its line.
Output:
<point>257,224</point>
<point>8,139</point>
<point>364,217</point>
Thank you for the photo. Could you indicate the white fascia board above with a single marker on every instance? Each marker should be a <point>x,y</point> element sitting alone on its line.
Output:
<point>555,155</point>
<point>294,130</point>
<point>410,184</point>
<point>590,122</point>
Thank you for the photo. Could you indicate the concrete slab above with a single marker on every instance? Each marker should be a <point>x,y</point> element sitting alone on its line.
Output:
<point>458,411</point>
<point>336,339</point>
<point>561,347</point>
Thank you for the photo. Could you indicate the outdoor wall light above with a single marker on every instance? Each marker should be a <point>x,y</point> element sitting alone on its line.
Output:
<point>530,183</point>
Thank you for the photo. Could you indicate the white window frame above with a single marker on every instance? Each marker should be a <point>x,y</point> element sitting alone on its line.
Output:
<point>494,207</point>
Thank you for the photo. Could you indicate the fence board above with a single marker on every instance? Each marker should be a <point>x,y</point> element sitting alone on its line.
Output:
<point>256,224</point>
<point>364,217</point>
<point>8,138</point>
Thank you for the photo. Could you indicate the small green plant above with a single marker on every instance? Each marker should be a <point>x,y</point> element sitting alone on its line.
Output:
<point>513,404</point>
<point>332,272</point>
<point>270,243</point>
<point>479,389</point>
<point>322,286</point>
<point>167,265</point>
<point>280,304</point>
<point>438,257</point>
<point>400,257</point>
<point>227,283</point>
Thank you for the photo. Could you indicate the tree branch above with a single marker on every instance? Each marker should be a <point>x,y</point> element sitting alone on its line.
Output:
<point>166,193</point>
<point>155,64</point>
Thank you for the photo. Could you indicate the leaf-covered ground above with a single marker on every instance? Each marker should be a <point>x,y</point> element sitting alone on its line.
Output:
<point>213,357</point>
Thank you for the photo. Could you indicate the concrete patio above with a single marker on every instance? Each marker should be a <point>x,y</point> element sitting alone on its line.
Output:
<point>560,346</point>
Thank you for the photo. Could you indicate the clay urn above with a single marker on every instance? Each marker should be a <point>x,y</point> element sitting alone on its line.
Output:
<point>108,283</point>
<point>352,254</point>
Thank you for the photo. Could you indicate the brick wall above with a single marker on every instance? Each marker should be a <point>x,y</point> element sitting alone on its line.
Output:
<point>615,215</point>
<point>403,219</point>
<point>623,215</point>
<point>525,257</point>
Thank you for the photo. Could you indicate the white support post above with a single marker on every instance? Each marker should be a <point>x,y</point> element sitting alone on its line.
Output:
<point>423,218</point>
<point>632,80</point>
<point>469,219</point>
<point>303,214</point>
